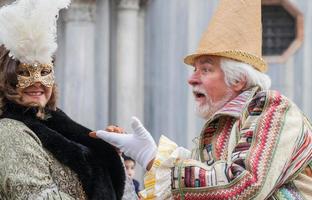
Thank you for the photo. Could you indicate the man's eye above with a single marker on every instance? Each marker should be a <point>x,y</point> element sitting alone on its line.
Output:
<point>23,73</point>
<point>206,69</point>
<point>45,72</point>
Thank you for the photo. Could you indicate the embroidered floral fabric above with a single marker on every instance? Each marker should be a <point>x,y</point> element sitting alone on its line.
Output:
<point>30,172</point>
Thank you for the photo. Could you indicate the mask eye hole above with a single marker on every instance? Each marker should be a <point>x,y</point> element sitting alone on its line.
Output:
<point>23,72</point>
<point>45,72</point>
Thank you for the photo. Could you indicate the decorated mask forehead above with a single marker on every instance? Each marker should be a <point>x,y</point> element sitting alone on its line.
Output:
<point>28,75</point>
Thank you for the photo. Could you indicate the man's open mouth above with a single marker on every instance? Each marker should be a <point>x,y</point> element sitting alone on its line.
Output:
<point>198,95</point>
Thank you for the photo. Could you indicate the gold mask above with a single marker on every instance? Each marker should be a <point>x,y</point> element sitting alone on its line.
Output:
<point>28,74</point>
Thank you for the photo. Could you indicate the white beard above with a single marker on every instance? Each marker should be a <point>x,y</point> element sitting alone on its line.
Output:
<point>207,109</point>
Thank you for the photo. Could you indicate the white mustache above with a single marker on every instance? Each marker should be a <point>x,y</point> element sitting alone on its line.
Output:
<point>199,89</point>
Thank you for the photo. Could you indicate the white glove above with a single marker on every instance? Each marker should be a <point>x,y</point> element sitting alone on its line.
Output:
<point>140,145</point>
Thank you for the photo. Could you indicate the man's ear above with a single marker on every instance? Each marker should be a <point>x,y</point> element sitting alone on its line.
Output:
<point>239,85</point>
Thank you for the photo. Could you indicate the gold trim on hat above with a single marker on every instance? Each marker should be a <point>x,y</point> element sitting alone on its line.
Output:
<point>257,62</point>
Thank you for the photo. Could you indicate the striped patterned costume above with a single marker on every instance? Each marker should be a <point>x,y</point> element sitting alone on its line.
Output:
<point>258,146</point>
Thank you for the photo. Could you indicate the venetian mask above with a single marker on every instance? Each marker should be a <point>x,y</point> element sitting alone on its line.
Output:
<point>28,74</point>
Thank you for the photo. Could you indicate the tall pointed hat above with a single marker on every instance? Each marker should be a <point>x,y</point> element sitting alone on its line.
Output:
<point>234,32</point>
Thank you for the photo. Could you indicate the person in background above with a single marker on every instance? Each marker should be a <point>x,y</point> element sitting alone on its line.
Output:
<point>130,170</point>
<point>255,144</point>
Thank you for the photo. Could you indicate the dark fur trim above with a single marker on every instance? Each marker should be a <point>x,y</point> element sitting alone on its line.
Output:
<point>96,162</point>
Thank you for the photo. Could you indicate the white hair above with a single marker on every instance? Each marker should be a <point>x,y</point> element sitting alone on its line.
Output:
<point>235,71</point>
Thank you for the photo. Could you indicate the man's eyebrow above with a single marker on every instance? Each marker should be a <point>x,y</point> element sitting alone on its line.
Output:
<point>206,60</point>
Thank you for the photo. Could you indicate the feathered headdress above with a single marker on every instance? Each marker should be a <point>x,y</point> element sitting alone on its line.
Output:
<point>28,29</point>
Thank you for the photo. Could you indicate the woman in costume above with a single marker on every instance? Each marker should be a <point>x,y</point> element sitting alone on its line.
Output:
<point>43,153</point>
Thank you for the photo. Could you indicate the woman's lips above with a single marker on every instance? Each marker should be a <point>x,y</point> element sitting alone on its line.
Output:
<point>34,93</point>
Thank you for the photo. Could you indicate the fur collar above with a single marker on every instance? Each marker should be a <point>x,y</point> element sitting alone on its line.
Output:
<point>96,162</point>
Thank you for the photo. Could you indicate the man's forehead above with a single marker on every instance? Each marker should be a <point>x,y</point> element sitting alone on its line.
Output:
<point>207,59</point>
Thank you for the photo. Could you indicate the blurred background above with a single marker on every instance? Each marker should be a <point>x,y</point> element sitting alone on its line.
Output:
<point>123,58</point>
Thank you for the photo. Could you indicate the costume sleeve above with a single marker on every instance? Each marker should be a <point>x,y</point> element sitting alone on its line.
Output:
<point>264,156</point>
<point>158,180</point>
<point>25,172</point>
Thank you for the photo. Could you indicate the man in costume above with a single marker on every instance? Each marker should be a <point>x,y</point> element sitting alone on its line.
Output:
<point>43,153</point>
<point>256,143</point>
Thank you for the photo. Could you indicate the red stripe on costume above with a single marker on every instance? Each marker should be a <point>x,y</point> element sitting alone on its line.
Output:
<point>192,176</point>
<point>202,177</point>
<point>222,141</point>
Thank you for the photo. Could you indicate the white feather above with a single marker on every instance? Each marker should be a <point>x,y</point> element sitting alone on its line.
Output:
<point>28,29</point>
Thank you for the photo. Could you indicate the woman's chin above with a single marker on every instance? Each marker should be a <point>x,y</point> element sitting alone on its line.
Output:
<point>33,103</point>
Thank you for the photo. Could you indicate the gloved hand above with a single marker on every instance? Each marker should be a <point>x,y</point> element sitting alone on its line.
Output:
<point>139,145</point>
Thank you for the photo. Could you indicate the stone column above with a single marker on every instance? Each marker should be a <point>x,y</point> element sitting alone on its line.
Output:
<point>128,94</point>
<point>307,62</point>
<point>102,62</point>
<point>78,89</point>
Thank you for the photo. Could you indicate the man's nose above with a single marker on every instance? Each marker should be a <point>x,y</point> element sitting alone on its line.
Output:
<point>194,79</point>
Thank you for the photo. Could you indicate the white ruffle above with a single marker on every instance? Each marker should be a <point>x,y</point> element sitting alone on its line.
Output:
<point>157,181</point>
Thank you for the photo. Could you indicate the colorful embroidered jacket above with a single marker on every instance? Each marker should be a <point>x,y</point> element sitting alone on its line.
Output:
<point>258,146</point>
